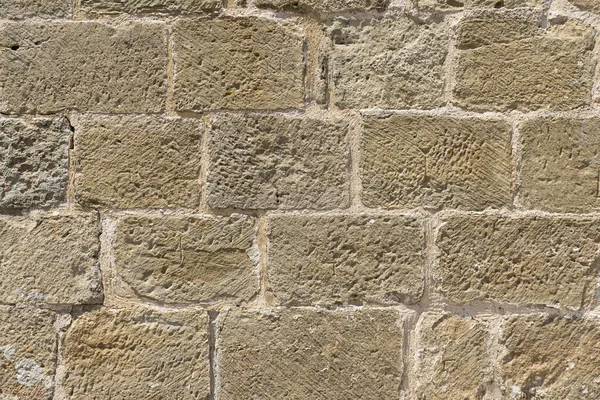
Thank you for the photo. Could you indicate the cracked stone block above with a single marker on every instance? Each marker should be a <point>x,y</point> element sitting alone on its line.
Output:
<point>238,63</point>
<point>345,259</point>
<point>388,62</point>
<point>27,353</point>
<point>323,5</point>
<point>102,7</point>
<point>191,259</point>
<point>277,162</point>
<point>92,67</point>
<point>137,162</point>
<point>35,162</point>
<point>529,260</point>
<point>19,9</point>
<point>137,353</point>
<point>300,354</point>
<point>436,162</point>
<point>50,258</point>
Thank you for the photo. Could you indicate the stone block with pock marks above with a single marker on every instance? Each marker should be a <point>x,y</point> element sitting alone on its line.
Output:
<point>102,7</point>
<point>587,5</point>
<point>18,9</point>
<point>323,5</point>
<point>346,259</point>
<point>451,5</point>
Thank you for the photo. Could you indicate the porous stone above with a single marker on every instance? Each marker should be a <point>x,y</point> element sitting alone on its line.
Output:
<point>100,7</point>
<point>300,354</point>
<point>137,162</point>
<point>276,161</point>
<point>50,66</point>
<point>324,5</point>
<point>549,357</point>
<point>452,359</point>
<point>345,259</point>
<point>238,63</point>
<point>27,353</point>
<point>560,167</point>
<point>587,5</point>
<point>551,261</point>
<point>35,161</point>
<point>188,259</point>
<point>50,258</point>
<point>504,65</point>
<point>388,62</point>
<point>475,4</point>
<point>18,9</point>
<point>137,354</point>
<point>436,162</point>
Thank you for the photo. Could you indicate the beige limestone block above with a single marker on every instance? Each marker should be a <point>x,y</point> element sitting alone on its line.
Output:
<point>18,9</point>
<point>451,5</point>
<point>345,259</point>
<point>587,5</point>
<point>101,7</point>
<point>323,5</point>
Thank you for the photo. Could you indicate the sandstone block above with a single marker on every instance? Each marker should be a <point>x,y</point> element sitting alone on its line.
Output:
<point>101,7</point>
<point>345,259</point>
<point>452,359</point>
<point>187,259</point>
<point>136,162</point>
<point>35,162</point>
<point>587,5</point>
<point>18,9</point>
<point>474,4</point>
<point>519,260</point>
<point>410,161</point>
<point>300,354</point>
<point>27,353</point>
<point>502,69</point>
<point>137,354</point>
<point>50,258</point>
<point>549,357</point>
<point>238,63</point>
<point>388,62</point>
<point>51,66</point>
<point>272,161</point>
<point>323,5</point>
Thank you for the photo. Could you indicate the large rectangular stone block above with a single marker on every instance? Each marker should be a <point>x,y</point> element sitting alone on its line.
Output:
<point>137,162</point>
<point>18,9</point>
<point>457,5</point>
<point>92,67</point>
<point>300,354</point>
<point>238,63</point>
<point>345,259</point>
<point>101,7</point>
<point>323,5</point>
<point>191,259</point>
<point>276,161</point>
<point>50,258</point>
<point>538,261</point>
<point>410,161</point>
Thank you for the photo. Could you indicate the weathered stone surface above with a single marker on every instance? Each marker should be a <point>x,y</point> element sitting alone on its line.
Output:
<point>99,7</point>
<point>188,259</point>
<point>560,164</point>
<point>51,66</point>
<point>436,162</point>
<point>324,5</point>
<point>452,359</point>
<point>137,354</point>
<point>17,9</point>
<point>273,161</point>
<point>300,354</point>
<point>50,258</point>
<point>549,357</point>
<point>388,62</point>
<point>588,5</point>
<point>238,63</point>
<point>523,260</point>
<point>503,69</point>
<point>470,4</point>
<point>27,353</point>
<point>341,259</point>
<point>135,162</point>
<point>35,162</point>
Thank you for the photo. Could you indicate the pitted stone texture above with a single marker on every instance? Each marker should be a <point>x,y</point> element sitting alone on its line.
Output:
<point>300,354</point>
<point>500,66</point>
<point>135,354</point>
<point>560,167</point>
<point>51,66</point>
<point>324,5</point>
<point>549,357</point>
<point>18,9</point>
<point>188,259</point>
<point>388,62</point>
<point>50,258</point>
<point>452,359</point>
<point>272,161</point>
<point>345,259</point>
<point>474,4</point>
<point>436,162</point>
<point>100,7</point>
<point>27,353</point>
<point>521,260</point>
<point>587,5</point>
<point>137,162</point>
<point>238,63</point>
<point>35,162</point>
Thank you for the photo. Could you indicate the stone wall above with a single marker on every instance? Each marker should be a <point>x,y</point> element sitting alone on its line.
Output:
<point>299,199</point>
